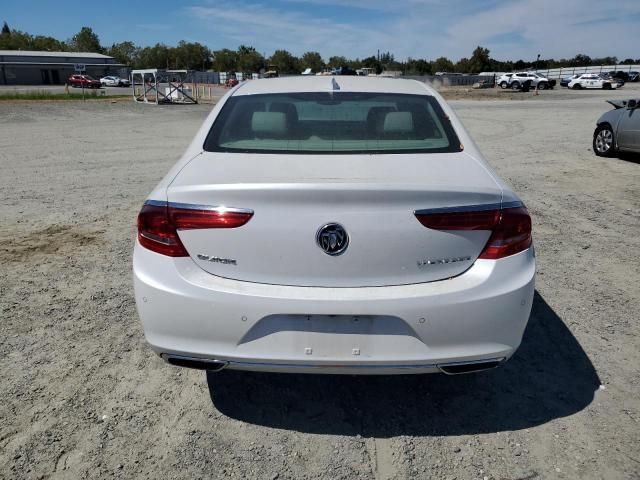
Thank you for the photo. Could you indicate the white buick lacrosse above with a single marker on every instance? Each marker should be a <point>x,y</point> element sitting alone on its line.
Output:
<point>334,225</point>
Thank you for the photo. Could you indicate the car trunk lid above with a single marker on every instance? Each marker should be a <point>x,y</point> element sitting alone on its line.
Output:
<point>371,197</point>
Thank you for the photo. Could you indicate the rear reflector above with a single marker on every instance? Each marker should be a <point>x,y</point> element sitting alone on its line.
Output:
<point>159,222</point>
<point>510,228</point>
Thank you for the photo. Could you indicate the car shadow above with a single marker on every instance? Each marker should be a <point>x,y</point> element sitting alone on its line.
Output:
<point>629,157</point>
<point>549,377</point>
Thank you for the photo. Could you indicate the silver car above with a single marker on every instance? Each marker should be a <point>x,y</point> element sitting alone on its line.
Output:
<point>334,225</point>
<point>618,130</point>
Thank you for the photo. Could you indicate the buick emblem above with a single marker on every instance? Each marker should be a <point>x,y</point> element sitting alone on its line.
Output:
<point>332,238</point>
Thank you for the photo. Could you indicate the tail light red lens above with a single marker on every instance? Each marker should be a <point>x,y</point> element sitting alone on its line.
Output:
<point>481,220</point>
<point>159,222</point>
<point>510,236</point>
<point>510,228</point>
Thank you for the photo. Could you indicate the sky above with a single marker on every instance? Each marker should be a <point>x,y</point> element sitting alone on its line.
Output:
<point>511,29</point>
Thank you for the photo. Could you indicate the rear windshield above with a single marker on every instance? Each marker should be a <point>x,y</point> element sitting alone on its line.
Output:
<point>332,122</point>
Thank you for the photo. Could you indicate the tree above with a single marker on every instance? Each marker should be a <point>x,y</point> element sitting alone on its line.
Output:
<point>86,41</point>
<point>285,62</point>
<point>312,60</point>
<point>124,52</point>
<point>189,56</point>
<point>387,57</point>
<point>338,61</point>
<point>604,61</point>
<point>158,56</point>
<point>249,60</point>
<point>442,64</point>
<point>372,62</point>
<point>418,67</point>
<point>463,66</point>
<point>479,61</point>
<point>5,29</point>
<point>49,44</point>
<point>520,65</point>
<point>16,40</point>
<point>580,60</point>
<point>225,60</point>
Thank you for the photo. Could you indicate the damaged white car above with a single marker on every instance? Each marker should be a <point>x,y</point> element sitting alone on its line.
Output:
<point>592,80</point>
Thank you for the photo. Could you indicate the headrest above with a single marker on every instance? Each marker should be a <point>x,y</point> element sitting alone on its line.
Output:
<point>272,123</point>
<point>398,122</point>
<point>287,108</point>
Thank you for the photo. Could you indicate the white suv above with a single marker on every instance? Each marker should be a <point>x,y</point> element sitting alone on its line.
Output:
<point>516,80</point>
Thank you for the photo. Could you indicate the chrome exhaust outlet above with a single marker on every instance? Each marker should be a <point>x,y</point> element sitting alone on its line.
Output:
<point>194,362</point>
<point>469,367</point>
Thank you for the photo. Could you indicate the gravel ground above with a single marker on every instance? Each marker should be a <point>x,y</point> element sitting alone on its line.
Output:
<point>83,397</point>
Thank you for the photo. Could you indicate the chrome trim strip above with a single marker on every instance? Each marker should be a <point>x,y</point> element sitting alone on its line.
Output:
<point>473,362</point>
<point>230,363</point>
<point>340,366</point>
<point>156,203</point>
<point>193,206</point>
<point>498,361</point>
<point>514,204</point>
<point>166,356</point>
<point>469,208</point>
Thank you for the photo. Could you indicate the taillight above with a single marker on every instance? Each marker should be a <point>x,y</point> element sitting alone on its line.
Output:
<point>480,220</point>
<point>510,236</point>
<point>159,222</point>
<point>510,228</point>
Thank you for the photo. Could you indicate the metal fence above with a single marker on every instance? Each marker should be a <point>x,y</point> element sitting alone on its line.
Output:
<point>454,80</point>
<point>567,71</point>
<point>206,77</point>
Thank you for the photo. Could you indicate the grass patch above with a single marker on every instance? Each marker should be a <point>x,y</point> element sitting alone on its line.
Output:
<point>47,95</point>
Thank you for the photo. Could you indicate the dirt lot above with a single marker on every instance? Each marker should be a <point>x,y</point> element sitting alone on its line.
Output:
<point>83,397</point>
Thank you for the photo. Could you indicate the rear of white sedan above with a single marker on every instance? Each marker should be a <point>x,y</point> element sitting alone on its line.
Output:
<point>334,225</point>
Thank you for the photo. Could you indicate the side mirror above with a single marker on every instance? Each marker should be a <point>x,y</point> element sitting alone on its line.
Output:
<point>631,104</point>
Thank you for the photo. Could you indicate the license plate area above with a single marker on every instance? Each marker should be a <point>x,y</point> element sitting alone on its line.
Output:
<point>331,336</point>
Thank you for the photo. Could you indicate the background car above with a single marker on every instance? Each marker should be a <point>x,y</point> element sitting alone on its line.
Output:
<point>504,80</point>
<point>618,130</point>
<point>302,273</point>
<point>593,80</point>
<point>344,70</point>
<point>115,81</point>
<point>271,72</point>
<point>634,76</point>
<point>517,80</point>
<point>85,81</point>
<point>564,81</point>
<point>620,75</point>
<point>231,82</point>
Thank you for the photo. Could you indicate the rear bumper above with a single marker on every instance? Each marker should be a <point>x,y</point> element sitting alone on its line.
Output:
<point>478,316</point>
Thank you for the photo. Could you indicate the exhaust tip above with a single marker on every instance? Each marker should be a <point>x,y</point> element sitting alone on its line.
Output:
<point>472,367</point>
<point>195,363</point>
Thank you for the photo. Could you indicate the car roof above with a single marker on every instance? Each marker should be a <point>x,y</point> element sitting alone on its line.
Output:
<point>328,83</point>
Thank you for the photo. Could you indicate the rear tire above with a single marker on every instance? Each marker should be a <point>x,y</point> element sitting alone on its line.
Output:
<point>515,85</point>
<point>503,85</point>
<point>604,141</point>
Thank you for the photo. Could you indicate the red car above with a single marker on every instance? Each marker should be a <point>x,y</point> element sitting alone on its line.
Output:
<point>231,82</point>
<point>83,80</point>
